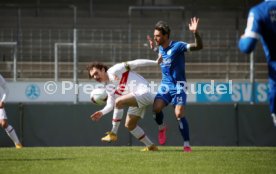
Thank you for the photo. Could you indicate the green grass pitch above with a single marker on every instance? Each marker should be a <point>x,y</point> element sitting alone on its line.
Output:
<point>169,160</point>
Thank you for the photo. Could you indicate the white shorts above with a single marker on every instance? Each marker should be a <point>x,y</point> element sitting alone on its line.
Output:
<point>144,98</point>
<point>3,114</point>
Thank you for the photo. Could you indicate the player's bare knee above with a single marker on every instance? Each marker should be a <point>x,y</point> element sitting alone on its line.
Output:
<point>4,124</point>
<point>119,104</point>
<point>127,125</point>
<point>179,115</point>
<point>179,112</point>
<point>130,126</point>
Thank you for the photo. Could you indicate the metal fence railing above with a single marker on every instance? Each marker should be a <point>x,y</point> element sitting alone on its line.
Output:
<point>36,51</point>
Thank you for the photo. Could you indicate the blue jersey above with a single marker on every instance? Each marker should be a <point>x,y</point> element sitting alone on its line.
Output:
<point>172,88</point>
<point>261,24</point>
<point>173,65</point>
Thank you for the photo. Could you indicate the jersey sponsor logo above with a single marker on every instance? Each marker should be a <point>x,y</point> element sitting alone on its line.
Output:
<point>167,61</point>
<point>169,52</point>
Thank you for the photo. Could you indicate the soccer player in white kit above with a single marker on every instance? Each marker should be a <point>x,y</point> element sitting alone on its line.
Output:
<point>3,117</point>
<point>125,88</point>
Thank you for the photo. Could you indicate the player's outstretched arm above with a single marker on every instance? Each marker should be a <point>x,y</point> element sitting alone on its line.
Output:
<point>198,44</point>
<point>130,65</point>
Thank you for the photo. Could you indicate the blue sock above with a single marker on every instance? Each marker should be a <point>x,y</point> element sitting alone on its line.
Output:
<point>184,128</point>
<point>158,117</point>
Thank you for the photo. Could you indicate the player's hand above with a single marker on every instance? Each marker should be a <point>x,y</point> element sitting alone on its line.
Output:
<point>1,104</point>
<point>96,116</point>
<point>194,24</point>
<point>159,59</point>
<point>150,42</point>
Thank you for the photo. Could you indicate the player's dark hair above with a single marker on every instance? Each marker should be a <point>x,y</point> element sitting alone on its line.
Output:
<point>97,65</point>
<point>163,27</point>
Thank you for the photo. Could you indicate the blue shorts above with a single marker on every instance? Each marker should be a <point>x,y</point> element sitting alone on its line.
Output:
<point>272,96</point>
<point>170,94</point>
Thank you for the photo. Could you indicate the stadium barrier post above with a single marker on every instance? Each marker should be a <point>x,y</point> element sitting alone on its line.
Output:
<point>252,78</point>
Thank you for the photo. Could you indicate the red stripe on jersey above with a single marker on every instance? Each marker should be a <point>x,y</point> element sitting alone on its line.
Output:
<point>116,120</point>
<point>122,84</point>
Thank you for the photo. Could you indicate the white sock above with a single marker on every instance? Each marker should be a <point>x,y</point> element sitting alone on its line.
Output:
<point>141,136</point>
<point>186,144</point>
<point>12,134</point>
<point>116,120</point>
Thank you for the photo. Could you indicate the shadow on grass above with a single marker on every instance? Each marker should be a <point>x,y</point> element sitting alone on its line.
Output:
<point>223,149</point>
<point>236,150</point>
<point>41,159</point>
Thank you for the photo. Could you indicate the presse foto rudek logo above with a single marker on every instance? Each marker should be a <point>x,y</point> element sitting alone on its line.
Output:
<point>32,91</point>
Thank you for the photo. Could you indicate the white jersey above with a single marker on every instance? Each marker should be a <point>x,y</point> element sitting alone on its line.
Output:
<point>4,89</point>
<point>122,81</point>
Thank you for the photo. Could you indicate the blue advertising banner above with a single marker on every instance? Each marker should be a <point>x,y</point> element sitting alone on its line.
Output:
<point>231,92</point>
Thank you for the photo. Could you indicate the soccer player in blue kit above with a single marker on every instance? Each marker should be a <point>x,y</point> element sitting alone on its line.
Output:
<point>173,74</point>
<point>261,24</point>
